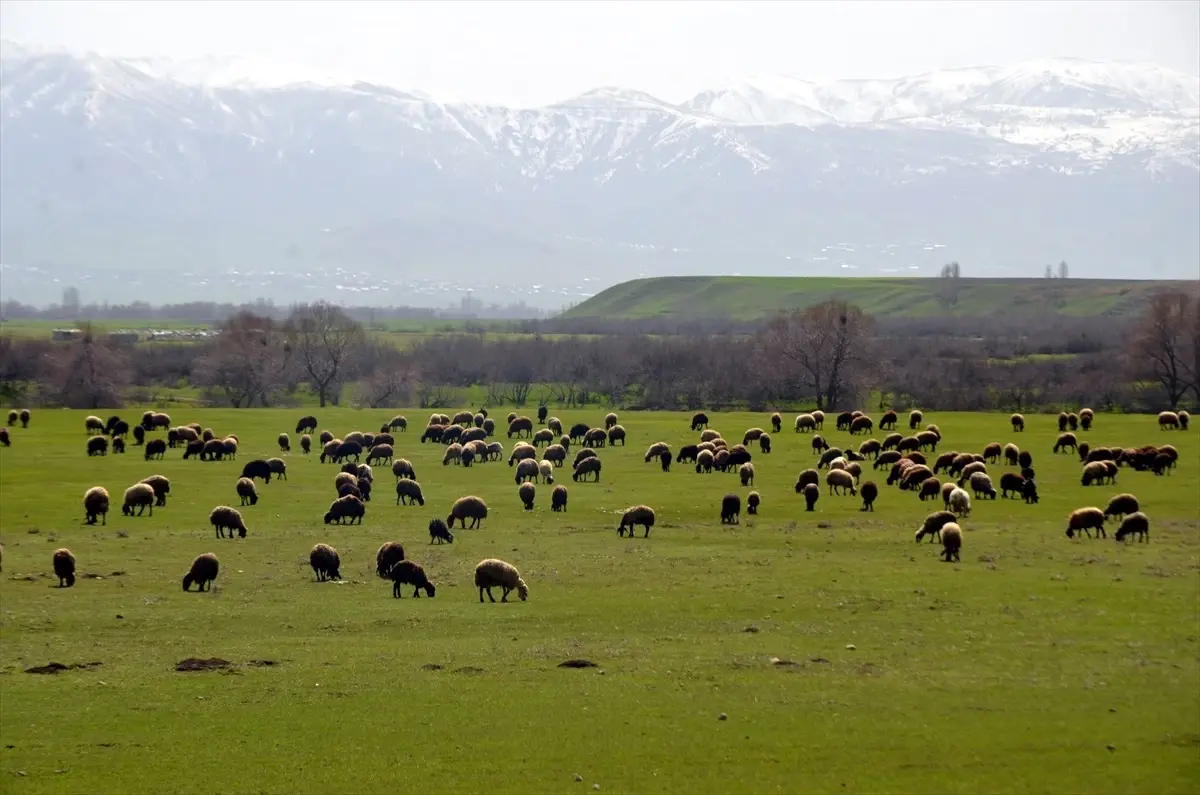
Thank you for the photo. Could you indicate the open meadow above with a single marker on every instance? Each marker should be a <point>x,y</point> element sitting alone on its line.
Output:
<point>792,652</point>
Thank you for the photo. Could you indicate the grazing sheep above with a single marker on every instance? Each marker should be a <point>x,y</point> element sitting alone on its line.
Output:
<point>555,426</point>
<point>840,481</point>
<point>406,572</point>
<point>398,423</point>
<point>869,492</point>
<point>285,443</point>
<point>1062,421</point>
<point>64,567</point>
<point>408,492</point>
<point>546,471</point>
<point>655,450</point>
<point>139,434</point>
<point>746,473</point>
<point>203,571</point>
<point>596,437</point>
<point>401,468</point>
<point>13,416</point>
<point>1094,473</point>
<point>527,469</point>
<point>1011,454</point>
<point>970,469</point>
<point>753,500</point>
<point>526,492</point>
<point>1029,492</point>
<point>522,451</point>
<point>439,532</point>
<point>380,452</point>
<point>578,431</point>
<point>805,478</point>
<point>931,489</point>
<point>139,496</point>
<point>870,448</point>
<point>558,499</point>
<point>844,419</point>
<point>388,554</point>
<point>951,541</point>
<point>555,454</point>
<point>495,451</point>
<point>928,440</point>
<point>306,444</point>
<point>704,461</point>
<point>325,562</point>
<point>543,436</point>
<point>830,455</point>
<point>1011,481</point>
<point>1086,417</point>
<point>1073,421</point>
<point>1084,520</point>
<point>1025,459</point>
<point>992,452</point>
<point>819,444</point>
<point>776,423</point>
<point>98,445</point>
<point>731,508</point>
<point>432,433</point>
<point>933,524</point>
<point>751,435</point>
<point>616,434</point>
<point>638,514</point>
<point>819,417</point>
<point>764,443</point>
<point>811,492</point>
<point>944,461</point>
<point>307,425</point>
<point>493,573</point>
<point>118,427</point>
<point>887,458</point>
<point>699,420</point>
<point>489,427</point>
<point>709,434</point>
<point>960,502</point>
<point>118,446</point>
<point>1168,419</point>
<point>210,450</point>
<point>1136,523</point>
<point>1018,423</point>
<point>223,517</point>
<point>161,486</point>
<point>95,503</point>
<point>346,507</point>
<point>1066,441</point>
<point>913,476</point>
<point>688,454</point>
<point>981,484</point>
<point>1184,418</point>
<point>805,422</point>
<point>947,489</point>
<point>464,418</point>
<point>194,448</point>
<point>453,453</point>
<point>585,467</point>
<point>325,438</point>
<point>278,467</point>
<point>862,424</point>
<point>467,457</point>
<point>465,508</point>
<point>4,437</point>
<point>246,490</point>
<point>1121,505</point>
<point>892,442</point>
<point>586,452</point>
<point>610,420</point>
<point>91,424</point>
<point>888,421</point>
<point>257,468</point>
<point>519,426</point>
<point>914,419</point>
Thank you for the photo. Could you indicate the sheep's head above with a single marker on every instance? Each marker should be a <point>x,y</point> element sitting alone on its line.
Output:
<point>522,589</point>
<point>429,589</point>
<point>1070,532</point>
<point>187,581</point>
<point>329,517</point>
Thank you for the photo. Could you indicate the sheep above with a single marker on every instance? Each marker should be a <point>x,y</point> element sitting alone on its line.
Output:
<point>543,436</point>
<point>751,435</point>
<point>223,517</point>
<point>401,468</point>
<point>210,450</point>
<point>831,454</point>
<point>118,427</point>
<point>4,438</point>
<point>585,467</point>
<point>346,507</point>
<point>928,440</point>
<point>699,420</point>
<point>388,554</point>
<point>492,572</point>
<point>307,425</point>
<point>325,438</point>
<point>64,567</point>
<point>892,441</point>
<point>1086,417</point>
<point>546,471</point>
<point>558,499</point>
<point>806,477</point>
<point>805,422</point>
<point>383,438</point>
<point>380,452</point>
<point>898,470</point>
<point>345,478</point>
<point>139,434</point>
<point>526,492</point>
<point>616,434</point>
<point>95,503</point>
<point>325,562</point>
<point>407,572</point>
<point>914,476</point>
<point>1083,520</point>
<point>970,469</point>
<point>203,571</point>
<point>453,453</point>
<point>1121,505</point>
<point>776,422</point>
<point>819,417</point>
<point>764,443</point>
<point>870,448</point>
<point>586,452</point>
<point>844,419</point>
<point>139,496</point>
<point>555,454</point>
<point>489,427</point>
<point>1136,523</point>
<point>1184,418</point>
<point>522,451</point>
<point>933,524</point>
<point>91,424</point>
<point>229,446</point>
<point>1029,492</point>
<point>246,490</point>
<point>465,508</point>
<point>439,532</point>
<point>1094,473</point>
<point>837,463</point>
<point>408,492</point>
<point>886,458</point>
<point>721,460</point>
<point>98,445</point>
<point>914,419</point>
<point>1066,441</point>
<point>655,450</point>
<point>981,484</point>
<point>257,468</point>
<point>944,460</point>
<point>161,486</point>
<point>930,489</point>
<point>1025,459</point>
<point>746,474</point>
<point>687,454</point>
<point>811,492</point>
<point>868,492</point>
<point>709,434</point>
<point>578,431</point>
<point>519,426</point>
<point>1073,421</point>
<point>992,452</point>
<point>731,507</point>
<point>194,448</point>
<point>527,469</point>
<point>951,542</point>
<point>1168,419</point>
<point>555,426</point>
<point>596,437</point>
<point>1011,481</point>
<point>306,444</point>
<point>610,420</point>
<point>888,421</point>
<point>357,437</point>
<point>12,417</point>
<point>638,514</point>
<point>1062,421</point>
<point>947,489</point>
<point>819,444</point>
<point>960,502</point>
<point>399,422</point>
<point>467,457</point>
<point>278,467</point>
<point>839,480</point>
<point>432,433</point>
<point>861,424</point>
<point>704,461</point>
<point>1018,423</point>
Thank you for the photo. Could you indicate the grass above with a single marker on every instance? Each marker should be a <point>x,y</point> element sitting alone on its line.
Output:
<point>1037,664</point>
<point>753,297</point>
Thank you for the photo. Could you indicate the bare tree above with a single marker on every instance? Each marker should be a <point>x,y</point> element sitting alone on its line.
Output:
<point>251,362</point>
<point>823,351</point>
<point>86,373</point>
<point>324,339</point>
<point>392,383</point>
<point>1163,345</point>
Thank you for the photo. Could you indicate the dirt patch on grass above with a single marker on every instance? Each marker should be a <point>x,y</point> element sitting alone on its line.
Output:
<point>432,667</point>
<point>57,668</point>
<point>262,663</point>
<point>197,664</point>
<point>469,669</point>
<point>577,663</point>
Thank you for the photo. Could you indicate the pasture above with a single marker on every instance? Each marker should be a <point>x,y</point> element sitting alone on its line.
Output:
<point>792,652</point>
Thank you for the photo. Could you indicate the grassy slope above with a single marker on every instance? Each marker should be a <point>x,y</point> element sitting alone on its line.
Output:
<point>750,297</point>
<point>1009,672</point>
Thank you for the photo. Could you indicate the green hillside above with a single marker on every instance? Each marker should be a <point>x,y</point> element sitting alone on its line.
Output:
<point>753,297</point>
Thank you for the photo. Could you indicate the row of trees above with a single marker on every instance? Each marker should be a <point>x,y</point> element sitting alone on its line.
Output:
<point>830,356</point>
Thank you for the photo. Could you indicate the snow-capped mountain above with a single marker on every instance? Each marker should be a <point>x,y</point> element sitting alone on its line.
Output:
<point>229,163</point>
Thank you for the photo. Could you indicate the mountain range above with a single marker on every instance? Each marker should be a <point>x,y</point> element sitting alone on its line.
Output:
<point>219,178</point>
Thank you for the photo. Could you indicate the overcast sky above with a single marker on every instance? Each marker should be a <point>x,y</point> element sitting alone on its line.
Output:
<point>531,53</point>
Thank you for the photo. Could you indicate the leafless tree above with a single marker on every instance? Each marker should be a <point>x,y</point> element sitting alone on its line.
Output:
<point>823,351</point>
<point>392,382</point>
<point>86,373</point>
<point>1163,348</point>
<point>324,339</point>
<point>251,362</point>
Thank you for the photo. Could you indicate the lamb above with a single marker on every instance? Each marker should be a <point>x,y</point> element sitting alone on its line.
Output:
<point>306,444</point>
<point>819,444</point>
<point>257,468</point>
<point>933,524</point>
<point>1094,473</point>
<point>811,493</point>
<point>527,469</point>
<point>406,572</point>
<point>840,480</point>
<point>64,567</point>
<point>95,503</point>
<point>1085,519</point>
<point>278,467</point>
<point>203,571</point>
<point>346,507</point>
<point>453,453</point>
<point>806,477</point>
<point>1121,505</point>
<point>558,499</point>
<point>805,422</point>
<point>699,420</point>
<point>1011,481</point>
<point>951,541</point>
<point>616,434</point>
<point>307,425</point>
<point>139,496</point>
<point>465,508</point>
<point>161,486</point>
<point>869,492</point>
<point>408,492</point>
<point>981,484</point>
<point>246,490</point>
<point>492,572</point>
<point>439,532</point>
<point>1018,423</point>
<point>746,473</point>
<point>519,426</point>
<point>325,562</point>
<point>960,502</point>
<point>888,421</point>
<point>931,489</point>
<point>914,419</point>
<point>1136,523</point>
<point>585,467</point>
<point>91,424</point>
<point>764,443</point>
<point>388,554</point>
<point>98,445</point>
<point>380,452</point>
<point>526,492</point>
<point>731,507</point>
<point>223,517</point>
<point>638,514</point>
<point>1168,419</point>
<point>861,424</point>
<point>546,470</point>
<point>401,468</point>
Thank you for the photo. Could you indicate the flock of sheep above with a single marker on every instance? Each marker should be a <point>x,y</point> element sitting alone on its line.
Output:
<point>466,438</point>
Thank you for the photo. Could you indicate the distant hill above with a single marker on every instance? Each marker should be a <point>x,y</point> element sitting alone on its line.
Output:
<point>751,298</point>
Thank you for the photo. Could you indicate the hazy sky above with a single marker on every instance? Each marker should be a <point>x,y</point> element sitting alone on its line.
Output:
<point>529,53</point>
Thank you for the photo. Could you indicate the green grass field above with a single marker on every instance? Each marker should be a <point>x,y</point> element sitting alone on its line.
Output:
<point>754,297</point>
<point>1037,664</point>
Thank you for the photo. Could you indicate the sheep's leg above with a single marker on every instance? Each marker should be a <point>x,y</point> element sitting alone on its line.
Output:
<point>504,596</point>
<point>416,592</point>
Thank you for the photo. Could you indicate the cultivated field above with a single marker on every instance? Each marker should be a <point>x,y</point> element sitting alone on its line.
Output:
<point>1037,664</point>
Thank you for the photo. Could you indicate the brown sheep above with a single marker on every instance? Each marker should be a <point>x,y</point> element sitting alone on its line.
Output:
<point>731,507</point>
<point>869,449</point>
<point>595,437</point>
<point>869,492</point>
<point>753,500</point>
<point>616,434</point>
<point>520,426</point>
<point>465,508</point>
<point>406,572</point>
<point>1011,481</point>
<point>1062,421</point>
<point>638,514</point>
<point>886,458</point>
<point>1073,421</point>
<point>1184,418</point>
<point>944,461</point>
<point>764,443</point>
<point>699,420</point>
<point>746,474</point>
<point>325,562</point>
<point>1121,505</point>
<point>161,486</point>
<point>751,435</point>
<point>247,491</point>
<point>203,571</point>
<point>806,477</point>
<point>388,554</point>
<point>380,452</point>
<point>1094,473</point>
<point>931,489</point>
<point>1018,423</point>
<point>656,450</point>
<point>888,421</point>
<point>1136,523</point>
<point>862,424</point>
<point>992,452</point>
<point>98,445</point>
<point>776,423</point>
<point>95,503</point>
<point>951,541</point>
<point>914,419</point>
<point>933,524</point>
<point>526,493</point>
<point>346,507</point>
<point>1086,417</point>
<point>811,493</point>
<point>819,444</point>
<point>839,481</point>
<point>223,517</point>
<point>558,499</point>
<point>1066,441</point>
<point>1168,419</point>
<point>139,497</point>
<point>64,567</point>
<point>408,492</point>
<point>585,467</point>
<point>1085,519</point>
<point>892,441</point>
<point>306,444</point>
